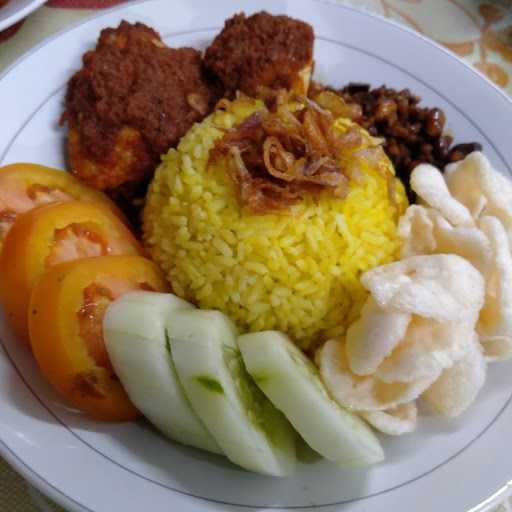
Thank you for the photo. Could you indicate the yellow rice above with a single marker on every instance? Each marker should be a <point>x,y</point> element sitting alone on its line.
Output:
<point>297,271</point>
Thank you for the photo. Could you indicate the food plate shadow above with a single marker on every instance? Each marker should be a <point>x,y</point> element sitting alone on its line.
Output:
<point>174,462</point>
<point>23,402</point>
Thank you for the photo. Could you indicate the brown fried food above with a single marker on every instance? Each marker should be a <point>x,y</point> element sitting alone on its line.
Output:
<point>128,160</point>
<point>132,100</point>
<point>262,50</point>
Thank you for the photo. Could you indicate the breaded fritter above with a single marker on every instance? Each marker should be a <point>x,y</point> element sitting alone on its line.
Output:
<point>262,50</point>
<point>132,100</point>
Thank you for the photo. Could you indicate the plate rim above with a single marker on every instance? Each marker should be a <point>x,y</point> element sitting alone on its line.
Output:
<point>31,476</point>
<point>333,3</point>
<point>19,15</point>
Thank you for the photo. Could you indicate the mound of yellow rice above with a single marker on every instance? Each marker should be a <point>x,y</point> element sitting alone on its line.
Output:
<point>296,271</point>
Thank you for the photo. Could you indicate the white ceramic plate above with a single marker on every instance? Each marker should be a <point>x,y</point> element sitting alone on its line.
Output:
<point>450,466</point>
<point>16,10</point>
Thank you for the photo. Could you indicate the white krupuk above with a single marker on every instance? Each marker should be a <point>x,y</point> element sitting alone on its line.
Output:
<point>427,348</point>
<point>487,195</point>
<point>367,393</point>
<point>443,287</point>
<point>418,322</point>
<point>458,386</point>
<point>396,421</point>
<point>429,184</point>
<point>426,231</point>
<point>483,190</point>
<point>495,325</point>
<point>374,336</point>
<point>416,229</point>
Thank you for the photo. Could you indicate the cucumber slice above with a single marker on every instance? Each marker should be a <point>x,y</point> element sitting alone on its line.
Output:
<point>252,433</point>
<point>293,384</point>
<point>135,337</point>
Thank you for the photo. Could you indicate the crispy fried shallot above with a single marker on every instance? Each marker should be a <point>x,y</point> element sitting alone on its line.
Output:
<point>288,150</point>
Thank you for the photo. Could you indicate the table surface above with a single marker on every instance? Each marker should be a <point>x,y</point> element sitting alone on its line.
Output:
<point>478,31</point>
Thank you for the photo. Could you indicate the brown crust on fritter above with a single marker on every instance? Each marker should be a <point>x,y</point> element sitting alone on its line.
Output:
<point>259,50</point>
<point>128,162</point>
<point>132,100</point>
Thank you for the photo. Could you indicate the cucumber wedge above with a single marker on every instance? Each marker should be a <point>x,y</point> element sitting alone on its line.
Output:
<point>293,385</point>
<point>250,431</point>
<point>135,337</point>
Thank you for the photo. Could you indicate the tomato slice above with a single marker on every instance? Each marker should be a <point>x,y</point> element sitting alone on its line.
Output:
<point>52,234</point>
<point>25,186</point>
<point>66,315</point>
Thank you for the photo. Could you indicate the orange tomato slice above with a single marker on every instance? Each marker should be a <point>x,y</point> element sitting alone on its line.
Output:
<point>66,316</point>
<point>24,186</point>
<point>52,234</point>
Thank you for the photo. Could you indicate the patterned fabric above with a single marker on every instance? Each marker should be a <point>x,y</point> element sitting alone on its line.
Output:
<point>17,496</point>
<point>478,31</point>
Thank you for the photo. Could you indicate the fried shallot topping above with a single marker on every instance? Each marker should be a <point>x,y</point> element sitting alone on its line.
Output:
<point>288,150</point>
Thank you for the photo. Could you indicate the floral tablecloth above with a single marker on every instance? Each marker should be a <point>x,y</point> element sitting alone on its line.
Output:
<point>479,31</point>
